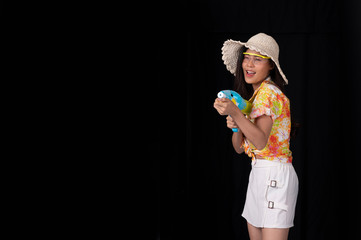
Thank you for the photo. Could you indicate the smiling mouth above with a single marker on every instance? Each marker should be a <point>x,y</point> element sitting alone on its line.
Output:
<point>250,73</point>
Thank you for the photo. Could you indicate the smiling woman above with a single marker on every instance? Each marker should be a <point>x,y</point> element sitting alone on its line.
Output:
<point>256,67</point>
<point>240,83</point>
<point>264,135</point>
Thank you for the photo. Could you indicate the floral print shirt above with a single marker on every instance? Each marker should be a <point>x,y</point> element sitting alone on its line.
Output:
<point>269,100</point>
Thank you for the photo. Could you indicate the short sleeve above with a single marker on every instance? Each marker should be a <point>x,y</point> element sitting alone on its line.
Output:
<point>267,102</point>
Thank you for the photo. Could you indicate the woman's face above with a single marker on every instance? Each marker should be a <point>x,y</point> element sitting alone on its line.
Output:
<point>255,69</point>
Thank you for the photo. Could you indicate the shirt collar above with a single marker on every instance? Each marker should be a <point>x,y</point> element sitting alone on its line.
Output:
<point>267,80</point>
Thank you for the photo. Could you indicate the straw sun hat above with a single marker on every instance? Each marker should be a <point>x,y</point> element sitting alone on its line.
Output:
<point>260,42</point>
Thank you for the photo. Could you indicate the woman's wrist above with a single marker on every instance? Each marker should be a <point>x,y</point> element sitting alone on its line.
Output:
<point>237,113</point>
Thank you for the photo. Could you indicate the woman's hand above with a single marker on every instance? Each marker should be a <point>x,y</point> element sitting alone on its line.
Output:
<point>230,123</point>
<point>224,106</point>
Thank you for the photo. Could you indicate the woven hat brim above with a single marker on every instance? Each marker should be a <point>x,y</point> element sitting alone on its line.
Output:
<point>230,53</point>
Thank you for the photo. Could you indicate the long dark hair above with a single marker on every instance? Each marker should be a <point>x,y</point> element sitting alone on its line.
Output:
<point>246,90</point>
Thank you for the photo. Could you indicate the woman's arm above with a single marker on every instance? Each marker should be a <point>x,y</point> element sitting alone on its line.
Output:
<point>237,137</point>
<point>237,140</point>
<point>257,133</point>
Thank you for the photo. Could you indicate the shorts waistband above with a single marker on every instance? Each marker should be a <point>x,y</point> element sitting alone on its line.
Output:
<point>267,163</point>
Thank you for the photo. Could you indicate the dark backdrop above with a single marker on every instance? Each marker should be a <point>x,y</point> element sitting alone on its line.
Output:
<point>200,182</point>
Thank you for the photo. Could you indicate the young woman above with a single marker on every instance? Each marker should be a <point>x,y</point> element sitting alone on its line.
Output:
<point>264,135</point>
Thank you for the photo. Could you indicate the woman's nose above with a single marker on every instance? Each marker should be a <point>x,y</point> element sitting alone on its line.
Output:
<point>250,63</point>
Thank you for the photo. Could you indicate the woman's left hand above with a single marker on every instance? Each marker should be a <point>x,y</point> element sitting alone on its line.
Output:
<point>224,106</point>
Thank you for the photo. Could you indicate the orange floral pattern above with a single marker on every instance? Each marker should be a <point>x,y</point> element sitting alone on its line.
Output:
<point>269,100</point>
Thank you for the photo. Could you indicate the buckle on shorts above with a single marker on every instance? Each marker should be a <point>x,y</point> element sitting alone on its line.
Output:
<point>273,183</point>
<point>271,204</point>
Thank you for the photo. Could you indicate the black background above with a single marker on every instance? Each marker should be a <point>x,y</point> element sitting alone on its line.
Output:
<point>199,182</point>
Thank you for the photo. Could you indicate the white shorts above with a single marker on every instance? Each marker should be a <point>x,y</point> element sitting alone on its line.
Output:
<point>271,195</point>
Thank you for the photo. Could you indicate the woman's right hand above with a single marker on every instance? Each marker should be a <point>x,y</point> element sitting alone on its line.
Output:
<point>230,123</point>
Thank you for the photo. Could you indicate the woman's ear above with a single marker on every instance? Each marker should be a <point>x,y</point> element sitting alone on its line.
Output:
<point>272,65</point>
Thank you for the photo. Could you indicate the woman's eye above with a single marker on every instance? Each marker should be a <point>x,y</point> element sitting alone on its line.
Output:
<point>258,59</point>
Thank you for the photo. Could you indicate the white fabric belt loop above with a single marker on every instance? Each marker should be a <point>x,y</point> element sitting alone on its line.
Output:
<point>272,205</point>
<point>274,183</point>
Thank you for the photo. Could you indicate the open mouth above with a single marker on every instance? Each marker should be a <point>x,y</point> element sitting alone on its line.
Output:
<point>250,73</point>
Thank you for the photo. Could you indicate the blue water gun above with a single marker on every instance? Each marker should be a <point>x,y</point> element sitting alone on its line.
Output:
<point>244,105</point>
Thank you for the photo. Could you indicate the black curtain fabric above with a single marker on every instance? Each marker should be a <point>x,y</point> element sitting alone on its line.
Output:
<point>200,181</point>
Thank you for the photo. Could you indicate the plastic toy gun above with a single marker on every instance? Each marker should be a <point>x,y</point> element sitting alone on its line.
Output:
<point>244,105</point>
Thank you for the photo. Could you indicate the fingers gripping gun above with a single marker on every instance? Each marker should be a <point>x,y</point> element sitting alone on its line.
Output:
<point>244,105</point>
